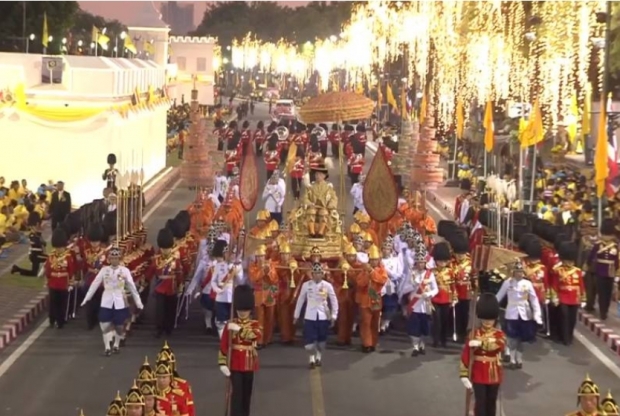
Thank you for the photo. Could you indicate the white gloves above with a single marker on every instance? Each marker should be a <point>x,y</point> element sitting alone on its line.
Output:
<point>464,380</point>
<point>583,305</point>
<point>233,327</point>
<point>197,295</point>
<point>83,303</point>
<point>539,320</point>
<point>474,343</point>
<point>547,301</point>
<point>226,371</point>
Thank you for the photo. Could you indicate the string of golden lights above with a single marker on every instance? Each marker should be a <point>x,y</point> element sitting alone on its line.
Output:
<point>454,50</point>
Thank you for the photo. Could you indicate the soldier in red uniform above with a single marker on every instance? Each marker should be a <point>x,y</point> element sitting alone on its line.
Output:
<point>315,158</point>
<point>568,291</point>
<point>323,140</point>
<point>462,266</point>
<point>134,401</point>
<point>259,137</point>
<point>93,254</point>
<point>356,159</point>
<point>334,139</point>
<point>166,388</point>
<point>360,136</point>
<point>233,154</point>
<point>588,397</point>
<point>154,405</point>
<point>466,188</point>
<point>272,155</point>
<point>246,136</point>
<point>537,273</point>
<point>220,132</point>
<point>166,354</point>
<point>478,231</point>
<point>480,367</point>
<point>446,298</point>
<point>238,358</point>
<point>169,273</point>
<point>60,268</point>
<point>297,173</point>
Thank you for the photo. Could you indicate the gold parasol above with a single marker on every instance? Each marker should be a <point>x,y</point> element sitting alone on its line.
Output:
<point>336,106</point>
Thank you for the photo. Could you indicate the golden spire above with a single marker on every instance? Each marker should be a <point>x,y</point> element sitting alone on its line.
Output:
<point>81,412</point>
<point>135,385</point>
<point>118,395</point>
<point>146,360</point>
<point>609,396</point>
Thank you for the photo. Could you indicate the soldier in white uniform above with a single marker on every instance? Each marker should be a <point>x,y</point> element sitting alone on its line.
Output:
<point>114,310</point>
<point>225,276</point>
<point>220,189</point>
<point>321,313</point>
<point>202,278</point>
<point>273,196</point>
<point>415,294</point>
<point>522,313</point>
<point>357,193</point>
<point>394,267</point>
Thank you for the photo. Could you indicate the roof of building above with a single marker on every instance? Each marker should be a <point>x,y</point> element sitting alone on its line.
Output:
<point>148,17</point>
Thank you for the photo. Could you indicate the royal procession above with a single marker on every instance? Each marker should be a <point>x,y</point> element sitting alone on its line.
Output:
<point>418,212</point>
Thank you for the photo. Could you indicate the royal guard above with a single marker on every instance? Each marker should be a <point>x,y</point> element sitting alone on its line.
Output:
<point>478,231</point>
<point>323,140</point>
<point>59,269</point>
<point>369,287</point>
<point>522,313</point>
<point>334,139</point>
<point>416,293</point>
<point>93,259</point>
<point>394,268</point>
<point>605,265</point>
<point>259,138</point>
<point>289,278</point>
<point>166,354</point>
<point>315,158</point>
<point>297,171</point>
<point>110,174</point>
<point>188,240</point>
<point>464,284</point>
<point>321,313</point>
<point>360,136</point>
<point>225,277</point>
<point>233,154</point>
<point>272,155</point>
<point>390,148</point>
<point>264,277</point>
<point>537,273</point>
<point>134,401</point>
<point>169,275</point>
<point>588,397</point>
<point>446,298</point>
<point>165,387</point>
<point>568,292</point>
<point>238,357</point>
<point>345,293</point>
<point>466,188</point>
<point>301,138</point>
<point>246,136</point>
<point>480,368</point>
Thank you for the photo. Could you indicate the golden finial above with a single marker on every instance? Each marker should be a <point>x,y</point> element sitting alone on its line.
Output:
<point>135,385</point>
<point>609,396</point>
<point>587,377</point>
<point>146,360</point>
<point>81,412</point>
<point>166,344</point>
<point>118,395</point>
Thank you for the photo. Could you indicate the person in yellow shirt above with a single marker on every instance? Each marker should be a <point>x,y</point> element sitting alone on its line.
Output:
<point>7,227</point>
<point>13,193</point>
<point>20,213</point>
<point>23,189</point>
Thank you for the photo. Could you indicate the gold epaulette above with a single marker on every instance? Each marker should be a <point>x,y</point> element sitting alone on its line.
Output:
<point>178,392</point>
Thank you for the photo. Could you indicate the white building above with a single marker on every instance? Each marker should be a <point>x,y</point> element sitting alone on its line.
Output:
<point>192,63</point>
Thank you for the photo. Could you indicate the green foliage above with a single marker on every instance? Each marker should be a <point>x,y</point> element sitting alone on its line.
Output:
<point>270,21</point>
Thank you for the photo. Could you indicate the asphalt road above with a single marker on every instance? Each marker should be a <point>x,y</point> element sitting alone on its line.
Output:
<point>55,373</point>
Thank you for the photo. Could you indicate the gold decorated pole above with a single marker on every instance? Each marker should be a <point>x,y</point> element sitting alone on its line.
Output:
<point>125,203</point>
<point>119,183</point>
<point>141,193</point>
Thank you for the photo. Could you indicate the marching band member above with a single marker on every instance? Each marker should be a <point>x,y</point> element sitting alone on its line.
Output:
<point>334,139</point>
<point>347,307</point>
<point>323,140</point>
<point>59,269</point>
<point>417,289</point>
<point>568,292</point>
<point>321,312</point>
<point>315,158</point>
<point>169,274</point>
<point>588,397</point>
<point>246,136</point>
<point>605,264</point>
<point>166,388</point>
<point>481,354</point>
<point>464,281</point>
<point>357,193</point>
<point>264,278</point>
<point>233,154</point>
<point>114,309</point>
<point>274,195</point>
<point>225,277</point>
<point>369,288</point>
<point>360,136</point>
<point>297,173</point>
<point>272,155</point>
<point>237,357</point>
<point>446,297</point>
<point>536,272</point>
<point>394,268</point>
<point>522,313</point>
<point>259,137</point>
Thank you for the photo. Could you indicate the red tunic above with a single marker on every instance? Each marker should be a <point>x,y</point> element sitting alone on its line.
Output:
<point>246,136</point>
<point>458,202</point>
<point>315,159</point>
<point>446,286</point>
<point>93,259</point>
<point>272,159</point>
<point>232,159</point>
<point>168,265</point>
<point>537,273</point>
<point>568,284</point>
<point>486,367</point>
<point>259,136</point>
<point>177,400</point>
<point>549,258</point>
<point>184,386</point>
<point>356,162</point>
<point>361,137</point>
<point>244,357</point>
<point>476,238</point>
<point>462,275</point>
<point>333,137</point>
<point>60,267</point>
<point>298,168</point>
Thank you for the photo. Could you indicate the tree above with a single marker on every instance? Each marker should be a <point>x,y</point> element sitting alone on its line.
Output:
<point>14,28</point>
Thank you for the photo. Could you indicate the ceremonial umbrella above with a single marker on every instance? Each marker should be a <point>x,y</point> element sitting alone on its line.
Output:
<point>336,106</point>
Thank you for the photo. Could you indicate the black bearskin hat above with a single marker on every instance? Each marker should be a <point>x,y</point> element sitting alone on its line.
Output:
<point>243,298</point>
<point>357,146</point>
<point>335,126</point>
<point>349,127</point>
<point>272,142</point>
<point>445,228</point>
<point>233,142</point>
<point>165,239</point>
<point>323,126</point>
<point>232,124</point>
<point>466,184</point>
<point>559,240</point>
<point>59,238</point>
<point>111,159</point>
<point>260,125</point>
<point>184,219</point>
<point>484,199</point>
<point>441,252</point>
<point>34,219</point>
<point>109,223</point>
<point>95,233</point>
<point>175,228</point>
<point>360,128</point>
<point>567,251</point>
<point>73,223</point>
<point>219,247</point>
<point>471,213</point>
<point>218,124</point>
<point>487,307</point>
<point>245,124</point>
<point>533,248</point>
<point>459,243</point>
<point>300,152</point>
<point>524,240</point>
<point>272,126</point>
<point>608,227</point>
<point>483,217</point>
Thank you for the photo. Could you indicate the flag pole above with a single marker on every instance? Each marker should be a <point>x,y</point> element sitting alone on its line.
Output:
<point>605,87</point>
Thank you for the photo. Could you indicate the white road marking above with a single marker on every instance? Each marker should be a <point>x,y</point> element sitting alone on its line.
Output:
<point>596,351</point>
<point>15,355</point>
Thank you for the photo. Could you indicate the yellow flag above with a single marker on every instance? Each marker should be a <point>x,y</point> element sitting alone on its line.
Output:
<point>533,133</point>
<point>20,96</point>
<point>103,40</point>
<point>45,36</point>
<point>128,44</point>
<point>573,111</point>
<point>423,106</point>
<point>390,97</point>
<point>489,128</point>
<point>601,168</point>
<point>94,34</point>
<point>460,119</point>
<point>587,109</point>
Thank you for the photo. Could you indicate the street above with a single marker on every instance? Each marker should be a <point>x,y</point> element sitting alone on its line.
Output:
<point>57,372</point>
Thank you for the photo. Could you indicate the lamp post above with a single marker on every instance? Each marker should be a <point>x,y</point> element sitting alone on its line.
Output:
<point>63,47</point>
<point>28,40</point>
<point>123,35</point>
